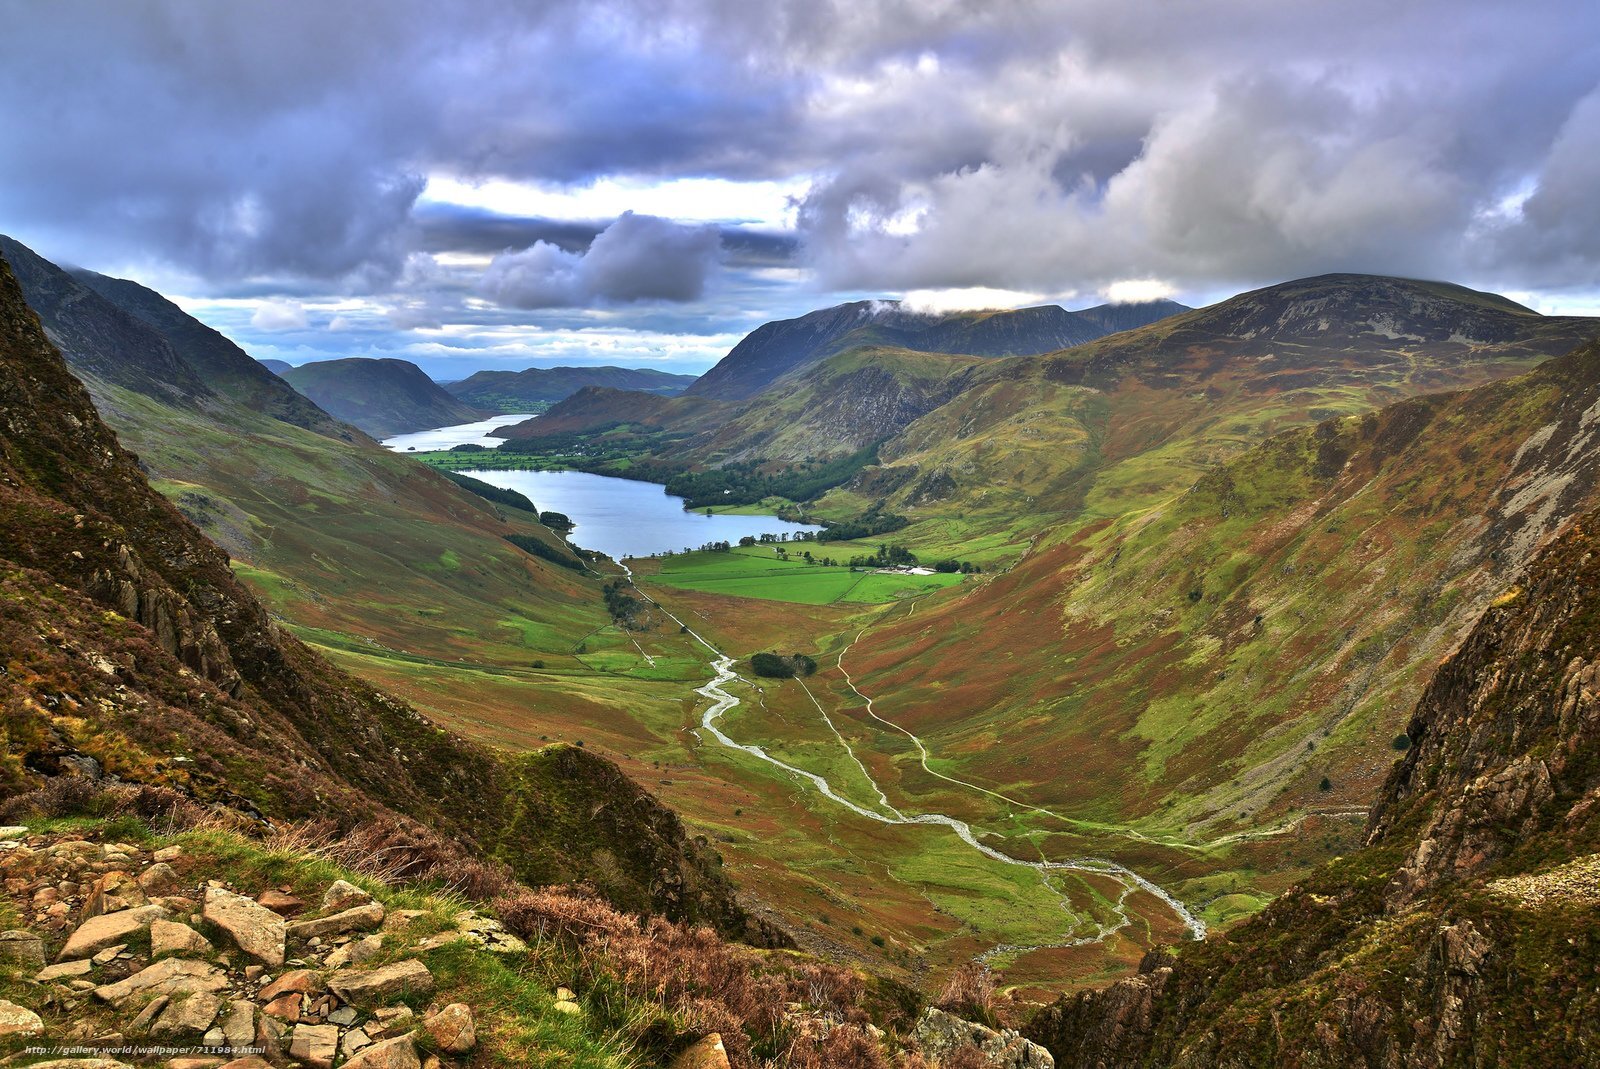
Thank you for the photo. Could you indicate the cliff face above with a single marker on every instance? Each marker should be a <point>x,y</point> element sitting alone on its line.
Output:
<point>1463,932</point>
<point>128,651</point>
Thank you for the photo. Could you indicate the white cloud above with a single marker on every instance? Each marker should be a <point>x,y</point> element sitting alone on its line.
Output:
<point>279,315</point>
<point>1137,290</point>
<point>969,298</point>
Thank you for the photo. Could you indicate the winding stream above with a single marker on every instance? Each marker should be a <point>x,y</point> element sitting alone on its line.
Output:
<point>722,701</point>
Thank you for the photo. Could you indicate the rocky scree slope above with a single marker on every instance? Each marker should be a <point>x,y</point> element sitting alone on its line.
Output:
<point>1462,932</point>
<point>131,653</point>
<point>129,943</point>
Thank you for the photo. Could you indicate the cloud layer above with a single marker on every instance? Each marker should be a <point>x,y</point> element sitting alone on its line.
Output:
<point>284,151</point>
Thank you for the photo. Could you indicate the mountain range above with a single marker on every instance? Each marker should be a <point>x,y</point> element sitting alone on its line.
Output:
<point>777,349</point>
<point>531,390</point>
<point>1247,570</point>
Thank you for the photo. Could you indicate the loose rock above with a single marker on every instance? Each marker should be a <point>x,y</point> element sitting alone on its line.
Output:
<point>257,930</point>
<point>357,919</point>
<point>169,976</point>
<point>315,1044</point>
<point>171,937</point>
<point>383,983</point>
<point>97,933</point>
<point>21,947</point>
<point>342,895</point>
<point>708,1053</point>
<point>398,1053</point>
<point>452,1029</point>
<point>19,1021</point>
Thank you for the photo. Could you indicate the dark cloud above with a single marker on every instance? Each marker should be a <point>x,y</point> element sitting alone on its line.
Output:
<point>458,228</point>
<point>637,258</point>
<point>281,149</point>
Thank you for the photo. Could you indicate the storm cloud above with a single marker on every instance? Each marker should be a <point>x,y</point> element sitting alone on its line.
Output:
<point>289,150</point>
<point>637,258</point>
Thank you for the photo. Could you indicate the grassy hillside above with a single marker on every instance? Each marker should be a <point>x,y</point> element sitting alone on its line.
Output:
<point>1239,658</point>
<point>382,397</point>
<point>132,652</point>
<point>1462,932</point>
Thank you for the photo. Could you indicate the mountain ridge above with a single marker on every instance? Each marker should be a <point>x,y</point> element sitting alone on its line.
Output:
<point>523,391</point>
<point>382,396</point>
<point>780,348</point>
<point>148,663</point>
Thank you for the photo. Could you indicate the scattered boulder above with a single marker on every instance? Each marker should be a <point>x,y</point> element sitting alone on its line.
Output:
<point>108,929</point>
<point>398,1053</point>
<point>280,902</point>
<point>315,1044</point>
<point>152,1010</point>
<point>168,853</point>
<point>356,919</point>
<point>356,952</point>
<point>21,947</point>
<point>940,1034</point>
<point>252,1061</point>
<point>81,1063</point>
<point>354,1040</point>
<point>707,1053</point>
<point>159,879</point>
<point>452,1029</point>
<point>19,1021</point>
<point>383,983</point>
<point>257,930</point>
<point>342,895</point>
<point>300,981</point>
<point>285,1007</point>
<point>187,1016</point>
<point>64,971</point>
<point>239,1025</point>
<point>114,891</point>
<point>391,1020</point>
<point>169,976</point>
<point>173,937</point>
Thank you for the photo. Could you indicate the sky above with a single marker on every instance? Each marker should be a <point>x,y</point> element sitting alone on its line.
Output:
<point>642,182</point>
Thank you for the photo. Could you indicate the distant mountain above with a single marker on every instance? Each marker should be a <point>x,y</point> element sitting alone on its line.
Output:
<point>382,397</point>
<point>530,390</point>
<point>1112,318</point>
<point>774,350</point>
<point>277,367</point>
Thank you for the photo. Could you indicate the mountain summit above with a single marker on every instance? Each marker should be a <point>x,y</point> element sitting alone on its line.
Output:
<point>776,349</point>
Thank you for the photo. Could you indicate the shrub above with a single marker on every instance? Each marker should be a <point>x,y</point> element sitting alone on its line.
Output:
<point>969,993</point>
<point>1402,742</point>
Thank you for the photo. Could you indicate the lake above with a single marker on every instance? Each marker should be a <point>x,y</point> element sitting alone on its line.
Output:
<point>626,518</point>
<point>618,517</point>
<point>447,437</point>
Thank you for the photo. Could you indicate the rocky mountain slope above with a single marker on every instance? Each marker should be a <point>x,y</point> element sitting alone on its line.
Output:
<point>277,367</point>
<point>134,655</point>
<point>383,397</point>
<point>532,389</point>
<point>777,349</point>
<point>1461,933</point>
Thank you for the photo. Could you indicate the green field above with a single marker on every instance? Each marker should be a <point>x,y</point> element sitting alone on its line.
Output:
<point>758,572</point>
